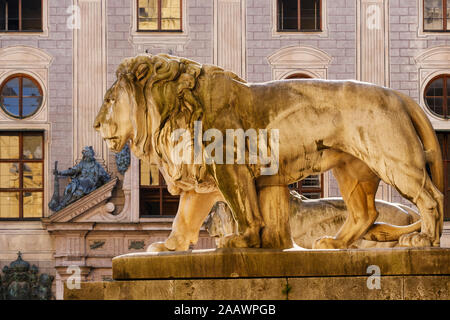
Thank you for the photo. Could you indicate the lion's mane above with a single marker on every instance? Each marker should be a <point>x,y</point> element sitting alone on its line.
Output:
<point>173,83</point>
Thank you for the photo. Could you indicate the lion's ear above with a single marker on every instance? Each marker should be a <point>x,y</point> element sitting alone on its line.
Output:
<point>142,72</point>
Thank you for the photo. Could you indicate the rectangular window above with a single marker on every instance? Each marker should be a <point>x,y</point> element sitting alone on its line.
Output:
<point>154,198</point>
<point>159,15</point>
<point>299,15</point>
<point>436,15</point>
<point>444,141</point>
<point>311,187</point>
<point>21,175</point>
<point>21,15</point>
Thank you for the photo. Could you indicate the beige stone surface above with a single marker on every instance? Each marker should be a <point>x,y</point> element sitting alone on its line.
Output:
<point>344,288</point>
<point>224,263</point>
<point>427,287</point>
<point>304,288</point>
<point>195,289</point>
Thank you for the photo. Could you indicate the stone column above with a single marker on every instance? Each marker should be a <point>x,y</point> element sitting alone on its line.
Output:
<point>230,35</point>
<point>89,75</point>
<point>373,41</point>
<point>373,52</point>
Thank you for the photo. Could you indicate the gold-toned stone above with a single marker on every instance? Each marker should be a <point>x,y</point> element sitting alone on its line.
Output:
<point>361,131</point>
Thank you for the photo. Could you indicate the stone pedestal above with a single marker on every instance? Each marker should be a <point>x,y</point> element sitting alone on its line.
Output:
<point>276,275</point>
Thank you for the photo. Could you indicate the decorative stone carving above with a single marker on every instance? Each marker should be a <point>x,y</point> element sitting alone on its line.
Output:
<point>96,245</point>
<point>21,282</point>
<point>136,245</point>
<point>86,176</point>
<point>93,207</point>
<point>312,219</point>
<point>123,159</point>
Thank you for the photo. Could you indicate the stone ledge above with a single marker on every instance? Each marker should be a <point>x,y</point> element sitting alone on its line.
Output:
<point>267,263</point>
<point>308,288</point>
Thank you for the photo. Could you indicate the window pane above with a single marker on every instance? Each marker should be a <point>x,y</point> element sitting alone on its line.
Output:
<point>2,15</point>
<point>11,105</point>
<point>433,19</point>
<point>32,175</point>
<point>9,205</point>
<point>30,105</point>
<point>170,15</point>
<point>30,89</point>
<point>311,181</point>
<point>32,147</point>
<point>149,174</point>
<point>448,14</point>
<point>9,146</point>
<point>288,14</point>
<point>436,88</point>
<point>149,202</point>
<point>309,14</point>
<point>9,175</point>
<point>13,15</point>
<point>32,204</point>
<point>312,195</point>
<point>448,86</point>
<point>31,15</point>
<point>148,15</point>
<point>435,104</point>
<point>11,88</point>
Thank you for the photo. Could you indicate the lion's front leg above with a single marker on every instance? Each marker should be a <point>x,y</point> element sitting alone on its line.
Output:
<point>237,186</point>
<point>192,211</point>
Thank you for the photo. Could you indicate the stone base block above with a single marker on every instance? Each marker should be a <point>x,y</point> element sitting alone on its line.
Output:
<point>261,274</point>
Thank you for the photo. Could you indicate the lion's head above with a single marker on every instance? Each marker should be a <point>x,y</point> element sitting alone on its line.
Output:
<point>165,82</point>
<point>153,95</point>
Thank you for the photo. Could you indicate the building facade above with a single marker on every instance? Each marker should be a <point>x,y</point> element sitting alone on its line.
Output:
<point>57,58</point>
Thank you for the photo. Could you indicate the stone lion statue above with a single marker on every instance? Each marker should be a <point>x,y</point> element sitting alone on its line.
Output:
<point>311,219</point>
<point>363,132</point>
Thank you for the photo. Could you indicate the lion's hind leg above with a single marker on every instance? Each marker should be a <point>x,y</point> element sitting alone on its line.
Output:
<point>429,200</point>
<point>358,186</point>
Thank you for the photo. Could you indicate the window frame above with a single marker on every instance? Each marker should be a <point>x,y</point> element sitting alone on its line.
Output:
<point>445,85</point>
<point>21,190</point>
<point>299,29</point>
<point>444,141</point>
<point>21,76</point>
<point>161,187</point>
<point>444,18</point>
<point>159,19</point>
<point>298,186</point>
<point>41,30</point>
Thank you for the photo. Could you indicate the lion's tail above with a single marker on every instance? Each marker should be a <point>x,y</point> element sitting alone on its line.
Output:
<point>433,155</point>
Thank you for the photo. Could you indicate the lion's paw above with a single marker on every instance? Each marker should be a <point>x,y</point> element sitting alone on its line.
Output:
<point>328,243</point>
<point>234,241</point>
<point>157,247</point>
<point>415,239</point>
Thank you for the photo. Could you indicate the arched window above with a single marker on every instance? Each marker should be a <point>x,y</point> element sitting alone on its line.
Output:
<point>298,76</point>
<point>20,96</point>
<point>437,95</point>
